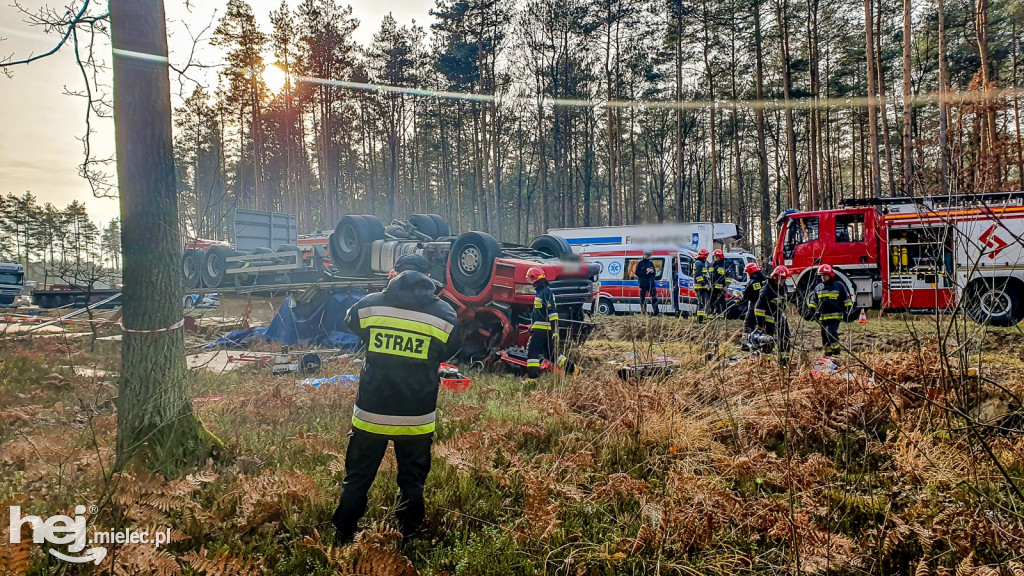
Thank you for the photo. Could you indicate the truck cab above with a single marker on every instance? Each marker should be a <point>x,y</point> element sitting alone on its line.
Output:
<point>12,279</point>
<point>848,239</point>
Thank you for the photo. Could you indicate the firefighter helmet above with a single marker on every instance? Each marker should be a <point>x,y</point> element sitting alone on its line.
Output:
<point>825,270</point>
<point>780,272</point>
<point>751,268</point>
<point>718,254</point>
<point>534,274</point>
<point>702,253</point>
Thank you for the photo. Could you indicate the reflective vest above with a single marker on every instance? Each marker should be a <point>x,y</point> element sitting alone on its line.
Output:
<point>545,314</point>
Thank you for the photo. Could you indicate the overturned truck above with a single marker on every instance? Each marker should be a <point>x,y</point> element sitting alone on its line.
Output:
<point>483,279</point>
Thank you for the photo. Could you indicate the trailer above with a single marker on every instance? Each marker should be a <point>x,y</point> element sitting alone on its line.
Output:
<point>917,254</point>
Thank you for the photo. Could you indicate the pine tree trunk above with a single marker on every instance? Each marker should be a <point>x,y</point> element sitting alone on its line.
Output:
<point>869,51</point>
<point>762,145</point>
<point>908,119</point>
<point>943,102</point>
<point>781,14</point>
<point>154,406</point>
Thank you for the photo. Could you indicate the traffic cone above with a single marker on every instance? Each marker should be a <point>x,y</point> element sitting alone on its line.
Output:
<point>863,317</point>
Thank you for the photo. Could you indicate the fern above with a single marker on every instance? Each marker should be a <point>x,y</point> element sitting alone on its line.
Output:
<point>221,564</point>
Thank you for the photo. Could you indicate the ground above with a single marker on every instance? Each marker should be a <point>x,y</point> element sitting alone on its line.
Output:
<point>906,458</point>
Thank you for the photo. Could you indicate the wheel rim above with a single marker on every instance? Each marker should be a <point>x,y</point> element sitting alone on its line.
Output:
<point>190,267</point>
<point>348,239</point>
<point>603,308</point>
<point>213,264</point>
<point>995,303</point>
<point>469,260</point>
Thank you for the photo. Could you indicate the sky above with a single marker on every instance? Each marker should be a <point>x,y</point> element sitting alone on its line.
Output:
<point>41,126</point>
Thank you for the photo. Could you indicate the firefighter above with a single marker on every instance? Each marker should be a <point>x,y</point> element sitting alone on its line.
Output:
<point>770,311</point>
<point>830,302</point>
<point>700,284</point>
<point>409,262</point>
<point>718,280</point>
<point>408,331</point>
<point>755,281</point>
<point>543,327</point>
<point>645,274</point>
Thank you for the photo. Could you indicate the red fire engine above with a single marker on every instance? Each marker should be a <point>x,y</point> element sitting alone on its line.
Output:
<point>915,253</point>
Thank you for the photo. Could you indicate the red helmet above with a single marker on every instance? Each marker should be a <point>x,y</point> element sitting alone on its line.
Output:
<point>702,253</point>
<point>534,274</point>
<point>780,272</point>
<point>718,254</point>
<point>751,268</point>
<point>825,270</point>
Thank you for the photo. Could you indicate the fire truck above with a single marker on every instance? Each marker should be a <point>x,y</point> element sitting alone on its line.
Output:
<point>917,254</point>
<point>484,280</point>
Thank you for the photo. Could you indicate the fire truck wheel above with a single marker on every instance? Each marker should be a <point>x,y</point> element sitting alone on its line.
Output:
<point>352,237</point>
<point>995,302</point>
<point>424,224</point>
<point>441,224</point>
<point>606,307</point>
<point>215,266</point>
<point>191,262</point>
<point>553,246</point>
<point>471,260</point>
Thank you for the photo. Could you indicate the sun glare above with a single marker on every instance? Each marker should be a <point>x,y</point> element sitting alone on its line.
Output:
<point>274,77</point>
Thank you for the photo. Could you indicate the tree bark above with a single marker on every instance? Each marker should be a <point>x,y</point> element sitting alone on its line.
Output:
<point>908,118</point>
<point>943,102</point>
<point>869,51</point>
<point>781,14</point>
<point>762,145</point>
<point>153,405</point>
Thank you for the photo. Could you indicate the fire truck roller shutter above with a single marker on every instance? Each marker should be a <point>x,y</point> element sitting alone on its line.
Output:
<point>995,301</point>
<point>553,246</point>
<point>215,265</point>
<point>191,263</point>
<point>351,240</point>
<point>471,260</point>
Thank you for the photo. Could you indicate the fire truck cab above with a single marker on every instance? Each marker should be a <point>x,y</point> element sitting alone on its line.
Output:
<point>916,254</point>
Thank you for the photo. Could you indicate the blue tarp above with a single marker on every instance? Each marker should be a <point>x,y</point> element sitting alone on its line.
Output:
<point>319,322</point>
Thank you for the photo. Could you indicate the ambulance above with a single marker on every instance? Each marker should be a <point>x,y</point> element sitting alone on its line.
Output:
<point>680,235</point>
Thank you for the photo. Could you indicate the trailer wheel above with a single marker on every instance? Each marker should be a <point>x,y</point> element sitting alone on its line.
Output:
<point>441,224</point>
<point>289,248</point>
<point>606,307</point>
<point>352,237</point>
<point>553,246</point>
<point>191,262</point>
<point>995,301</point>
<point>471,261</point>
<point>215,266</point>
<point>424,224</point>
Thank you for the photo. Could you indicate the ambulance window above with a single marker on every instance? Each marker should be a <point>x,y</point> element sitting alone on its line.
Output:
<point>631,263</point>
<point>686,266</point>
<point>850,228</point>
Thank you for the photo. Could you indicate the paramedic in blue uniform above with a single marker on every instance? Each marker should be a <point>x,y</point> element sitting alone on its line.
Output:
<point>408,331</point>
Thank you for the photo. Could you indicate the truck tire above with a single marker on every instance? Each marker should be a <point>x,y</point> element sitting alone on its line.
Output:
<point>995,302</point>
<point>553,246</point>
<point>606,307</point>
<point>191,262</point>
<point>396,231</point>
<point>215,265</point>
<point>802,292</point>
<point>351,239</point>
<point>441,224</point>
<point>471,260</point>
<point>424,224</point>
<point>289,248</point>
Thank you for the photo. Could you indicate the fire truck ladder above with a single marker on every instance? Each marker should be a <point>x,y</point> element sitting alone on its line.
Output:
<point>932,202</point>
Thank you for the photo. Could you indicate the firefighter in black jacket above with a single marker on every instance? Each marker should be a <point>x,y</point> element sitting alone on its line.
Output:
<point>830,302</point>
<point>543,327</point>
<point>770,310</point>
<point>755,281</point>
<point>408,332</point>
<point>718,280</point>
<point>646,274</point>
<point>700,284</point>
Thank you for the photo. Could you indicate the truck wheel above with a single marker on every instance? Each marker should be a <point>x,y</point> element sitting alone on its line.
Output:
<point>289,248</point>
<point>553,246</point>
<point>424,224</point>
<point>352,237</point>
<point>441,224</point>
<point>471,260</point>
<point>803,291</point>
<point>215,266</point>
<point>606,307</point>
<point>995,302</point>
<point>191,262</point>
<point>396,231</point>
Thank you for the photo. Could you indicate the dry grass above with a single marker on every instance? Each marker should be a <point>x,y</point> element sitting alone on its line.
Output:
<point>731,465</point>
